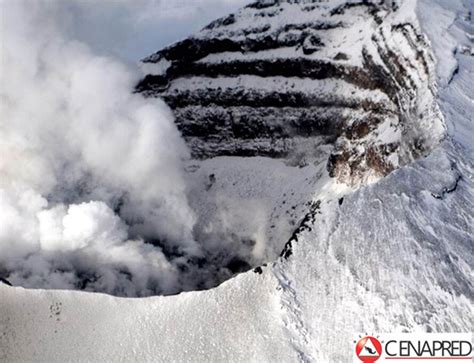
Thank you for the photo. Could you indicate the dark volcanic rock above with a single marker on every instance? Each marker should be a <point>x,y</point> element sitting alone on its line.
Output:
<point>276,74</point>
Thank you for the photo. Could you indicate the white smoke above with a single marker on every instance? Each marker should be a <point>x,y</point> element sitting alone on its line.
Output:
<point>88,170</point>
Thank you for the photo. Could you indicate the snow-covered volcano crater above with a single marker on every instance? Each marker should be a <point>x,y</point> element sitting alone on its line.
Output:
<point>391,256</point>
<point>287,103</point>
<point>284,105</point>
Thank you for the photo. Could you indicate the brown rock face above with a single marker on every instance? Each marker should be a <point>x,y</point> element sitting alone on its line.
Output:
<point>280,75</point>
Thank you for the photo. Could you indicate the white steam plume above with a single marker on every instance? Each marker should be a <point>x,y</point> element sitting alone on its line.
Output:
<point>87,169</point>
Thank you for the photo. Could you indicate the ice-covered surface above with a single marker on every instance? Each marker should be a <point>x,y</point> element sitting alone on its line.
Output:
<point>396,255</point>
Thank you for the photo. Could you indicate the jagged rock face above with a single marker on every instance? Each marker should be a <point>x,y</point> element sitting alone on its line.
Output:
<point>281,75</point>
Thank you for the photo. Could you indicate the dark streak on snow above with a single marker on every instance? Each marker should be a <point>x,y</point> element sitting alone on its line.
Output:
<point>447,190</point>
<point>455,71</point>
<point>305,225</point>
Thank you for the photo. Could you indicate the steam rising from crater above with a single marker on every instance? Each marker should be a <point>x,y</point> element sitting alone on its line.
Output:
<point>92,190</point>
<point>88,170</point>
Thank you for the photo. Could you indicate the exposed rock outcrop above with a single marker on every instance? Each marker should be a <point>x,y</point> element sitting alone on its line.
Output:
<point>279,74</point>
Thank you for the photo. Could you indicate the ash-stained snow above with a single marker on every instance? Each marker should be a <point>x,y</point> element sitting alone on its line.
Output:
<point>393,256</point>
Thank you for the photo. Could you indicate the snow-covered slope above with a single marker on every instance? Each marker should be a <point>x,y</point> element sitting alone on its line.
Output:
<point>328,89</point>
<point>240,321</point>
<point>396,255</point>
